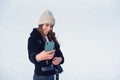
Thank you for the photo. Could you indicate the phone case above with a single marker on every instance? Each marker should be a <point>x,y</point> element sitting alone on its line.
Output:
<point>49,46</point>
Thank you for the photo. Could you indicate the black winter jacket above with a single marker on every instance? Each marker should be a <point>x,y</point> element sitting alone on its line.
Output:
<point>35,46</point>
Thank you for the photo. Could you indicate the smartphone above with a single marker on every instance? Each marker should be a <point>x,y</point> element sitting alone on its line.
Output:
<point>49,45</point>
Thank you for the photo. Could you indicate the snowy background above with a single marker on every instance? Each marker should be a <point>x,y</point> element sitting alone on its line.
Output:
<point>88,31</point>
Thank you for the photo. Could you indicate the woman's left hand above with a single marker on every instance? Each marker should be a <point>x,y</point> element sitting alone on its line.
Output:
<point>56,60</point>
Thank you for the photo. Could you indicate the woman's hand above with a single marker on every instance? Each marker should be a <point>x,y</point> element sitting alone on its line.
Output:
<point>56,60</point>
<point>45,55</point>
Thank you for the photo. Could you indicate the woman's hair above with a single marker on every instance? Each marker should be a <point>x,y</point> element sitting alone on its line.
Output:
<point>51,35</point>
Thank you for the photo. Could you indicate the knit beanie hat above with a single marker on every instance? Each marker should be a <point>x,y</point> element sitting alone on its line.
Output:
<point>47,17</point>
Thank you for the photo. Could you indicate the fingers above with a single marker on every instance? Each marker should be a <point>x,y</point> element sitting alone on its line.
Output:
<point>50,52</point>
<point>50,56</point>
<point>45,55</point>
<point>56,60</point>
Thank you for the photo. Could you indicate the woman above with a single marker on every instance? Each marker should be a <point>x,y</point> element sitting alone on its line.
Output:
<point>47,63</point>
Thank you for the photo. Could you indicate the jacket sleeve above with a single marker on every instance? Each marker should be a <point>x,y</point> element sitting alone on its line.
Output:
<point>33,49</point>
<point>59,54</point>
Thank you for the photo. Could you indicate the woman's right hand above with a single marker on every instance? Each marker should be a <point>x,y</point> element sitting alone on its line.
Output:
<point>45,55</point>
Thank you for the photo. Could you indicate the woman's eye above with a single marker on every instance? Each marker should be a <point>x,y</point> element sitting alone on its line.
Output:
<point>51,26</point>
<point>47,25</point>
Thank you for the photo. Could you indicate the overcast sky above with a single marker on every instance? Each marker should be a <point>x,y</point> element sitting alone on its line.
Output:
<point>88,31</point>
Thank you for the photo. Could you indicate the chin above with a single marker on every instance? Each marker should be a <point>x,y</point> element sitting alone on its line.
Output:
<point>45,34</point>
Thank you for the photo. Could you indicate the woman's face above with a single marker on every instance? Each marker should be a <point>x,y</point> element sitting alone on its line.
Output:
<point>47,28</point>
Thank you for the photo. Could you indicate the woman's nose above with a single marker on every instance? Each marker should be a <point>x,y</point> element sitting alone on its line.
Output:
<point>49,27</point>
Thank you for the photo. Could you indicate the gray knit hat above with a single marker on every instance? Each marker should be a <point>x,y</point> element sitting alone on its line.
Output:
<point>47,17</point>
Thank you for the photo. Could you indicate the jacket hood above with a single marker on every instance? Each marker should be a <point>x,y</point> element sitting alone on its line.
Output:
<point>35,32</point>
